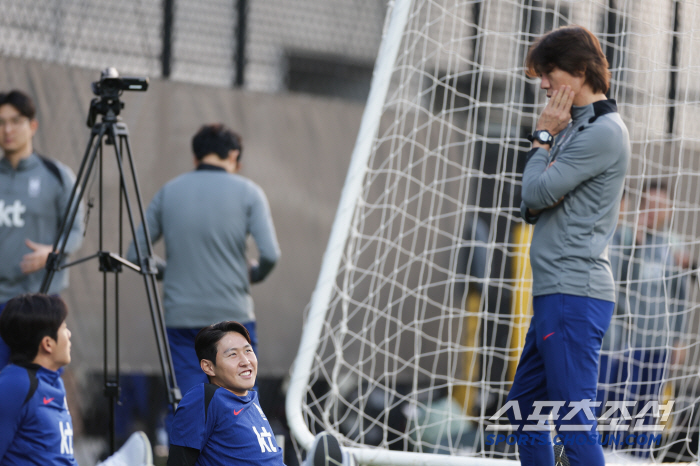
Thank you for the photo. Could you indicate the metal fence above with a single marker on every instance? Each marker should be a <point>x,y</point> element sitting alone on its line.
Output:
<point>254,44</point>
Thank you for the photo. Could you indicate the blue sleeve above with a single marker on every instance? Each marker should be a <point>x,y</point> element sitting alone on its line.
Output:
<point>189,427</point>
<point>75,235</point>
<point>155,228</point>
<point>586,156</point>
<point>13,391</point>
<point>677,302</point>
<point>263,230</point>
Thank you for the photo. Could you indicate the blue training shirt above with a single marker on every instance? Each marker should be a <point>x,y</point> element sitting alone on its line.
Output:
<point>234,430</point>
<point>37,431</point>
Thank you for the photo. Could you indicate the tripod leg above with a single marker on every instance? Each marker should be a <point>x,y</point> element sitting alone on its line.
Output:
<point>121,134</point>
<point>158,317</point>
<point>75,198</point>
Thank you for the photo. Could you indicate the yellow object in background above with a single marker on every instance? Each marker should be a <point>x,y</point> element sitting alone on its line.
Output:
<point>522,294</point>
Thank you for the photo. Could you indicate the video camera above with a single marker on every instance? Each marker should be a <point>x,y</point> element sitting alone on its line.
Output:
<point>111,84</point>
<point>108,89</point>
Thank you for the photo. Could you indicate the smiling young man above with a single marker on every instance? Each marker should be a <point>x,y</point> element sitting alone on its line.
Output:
<point>221,423</point>
<point>34,194</point>
<point>572,185</point>
<point>35,425</point>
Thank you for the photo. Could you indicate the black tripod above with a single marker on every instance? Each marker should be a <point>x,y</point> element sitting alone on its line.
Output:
<point>114,132</point>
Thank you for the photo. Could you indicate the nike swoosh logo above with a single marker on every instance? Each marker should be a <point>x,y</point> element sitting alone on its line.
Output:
<point>237,412</point>
<point>47,401</point>
<point>547,336</point>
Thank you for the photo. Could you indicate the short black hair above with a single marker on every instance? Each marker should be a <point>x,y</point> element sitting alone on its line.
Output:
<point>26,320</point>
<point>655,185</point>
<point>216,139</point>
<point>21,101</point>
<point>206,340</point>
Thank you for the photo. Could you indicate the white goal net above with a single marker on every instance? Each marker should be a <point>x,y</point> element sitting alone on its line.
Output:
<point>414,330</point>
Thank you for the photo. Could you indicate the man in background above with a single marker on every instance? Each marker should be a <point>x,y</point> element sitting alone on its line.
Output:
<point>205,217</point>
<point>34,195</point>
<point>647,331</point>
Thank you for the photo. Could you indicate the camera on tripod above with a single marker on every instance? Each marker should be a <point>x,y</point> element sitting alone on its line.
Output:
<point>110,130</point>
<point>108,89</point>
<point>112,85</point>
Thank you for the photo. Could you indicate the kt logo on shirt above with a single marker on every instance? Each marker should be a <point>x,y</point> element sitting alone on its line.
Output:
<point>11,214</point>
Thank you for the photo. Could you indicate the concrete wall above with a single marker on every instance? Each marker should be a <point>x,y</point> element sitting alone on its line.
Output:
<point>296,147</point>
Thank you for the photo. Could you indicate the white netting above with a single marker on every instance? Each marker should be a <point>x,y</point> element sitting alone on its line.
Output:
<point>430,302</point>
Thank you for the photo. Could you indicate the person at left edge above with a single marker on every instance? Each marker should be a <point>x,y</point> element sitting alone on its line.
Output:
<point>34,195</point>
<point>36,428</point>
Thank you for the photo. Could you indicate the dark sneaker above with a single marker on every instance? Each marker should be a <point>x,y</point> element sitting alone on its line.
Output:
<point>328,452</point>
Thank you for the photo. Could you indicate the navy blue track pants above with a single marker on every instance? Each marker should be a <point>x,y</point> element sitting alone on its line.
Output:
<point>560,363</point>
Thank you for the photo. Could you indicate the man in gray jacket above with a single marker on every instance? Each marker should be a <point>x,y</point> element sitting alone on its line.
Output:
<point>572,185</point>
<point>648,329</point>
<point>34,195</point>
<point>205,217</point>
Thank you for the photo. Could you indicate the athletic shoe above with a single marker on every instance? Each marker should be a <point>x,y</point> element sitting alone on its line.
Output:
<point>328,452</point>
<point>136,451</point>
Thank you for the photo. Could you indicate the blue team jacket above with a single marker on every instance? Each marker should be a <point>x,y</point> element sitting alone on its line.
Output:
<point>230,430</point>
<point>37,430</point>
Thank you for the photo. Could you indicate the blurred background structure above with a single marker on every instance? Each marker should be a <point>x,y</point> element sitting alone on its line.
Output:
<point>321,47</point>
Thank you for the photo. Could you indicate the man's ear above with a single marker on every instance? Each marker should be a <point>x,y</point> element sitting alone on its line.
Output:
<point>234,154</point>
<point>46,345</point>
<point>208,367</point>
<point>33,125</point>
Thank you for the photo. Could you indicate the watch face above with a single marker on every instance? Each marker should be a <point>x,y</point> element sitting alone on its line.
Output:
<point>544,137</point>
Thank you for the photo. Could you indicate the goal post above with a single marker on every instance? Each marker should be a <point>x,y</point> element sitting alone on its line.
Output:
<point>419,313</point>
<point>352,188</point>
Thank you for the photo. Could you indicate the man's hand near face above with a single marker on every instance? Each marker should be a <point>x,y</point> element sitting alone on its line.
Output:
<point>557,114</point>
